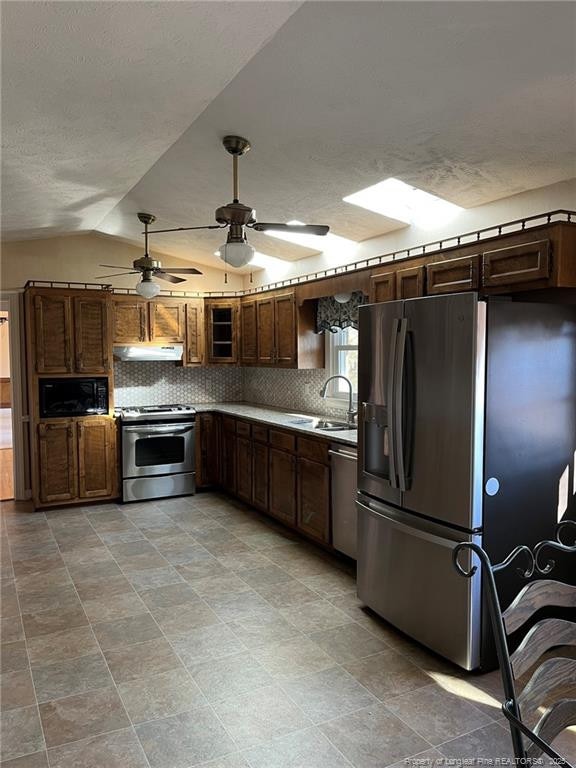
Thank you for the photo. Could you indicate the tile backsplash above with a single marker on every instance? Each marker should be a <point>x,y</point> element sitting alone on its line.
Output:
<point>287,389</point>
<point>157,383</point>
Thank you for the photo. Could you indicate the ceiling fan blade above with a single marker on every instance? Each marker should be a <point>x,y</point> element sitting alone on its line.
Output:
<point>297,229</point>
<point>186,271</point>
<point>117,274</point>
<point>185,229</point>
<point>166,276</point>
<point>114,266</point>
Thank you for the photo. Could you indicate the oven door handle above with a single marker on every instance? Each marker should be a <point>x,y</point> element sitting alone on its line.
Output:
<point>152,429</point>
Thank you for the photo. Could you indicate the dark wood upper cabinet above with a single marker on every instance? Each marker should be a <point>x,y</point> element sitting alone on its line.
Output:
<point>167,321</point>
<point>410,283</point>
<point>382,286</point>
<point>130,320</point>
<point>285,330</point>
<point>314,499</point>
<point>516,264</point>
<point>266,331</point>
<point>92,334</point>
<point>96,457</point>
<point>282,486</point>
<point>53,337</point>
<point>194,347</point>
<point>286,335</point>
<point>71,332</point>
<point>57,461</point>
<point>248,333</point>
<point>221,319</point>
<point>453,275</point>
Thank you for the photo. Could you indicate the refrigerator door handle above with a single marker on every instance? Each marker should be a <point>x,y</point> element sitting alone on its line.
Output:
<point>390,401</point>
<point>398,402</point>
<point>412,530</point>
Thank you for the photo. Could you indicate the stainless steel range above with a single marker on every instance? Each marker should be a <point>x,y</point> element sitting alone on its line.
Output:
<point>157,451</point>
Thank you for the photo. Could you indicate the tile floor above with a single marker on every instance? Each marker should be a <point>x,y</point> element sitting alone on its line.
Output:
<point>194,632</point>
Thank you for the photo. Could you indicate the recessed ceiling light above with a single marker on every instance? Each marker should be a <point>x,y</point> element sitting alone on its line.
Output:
<point>216,253</point>
<point>397,200</point>
<point>326,243</point>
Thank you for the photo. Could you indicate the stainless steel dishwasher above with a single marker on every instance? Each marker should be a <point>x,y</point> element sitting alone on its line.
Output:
<point>344,485</point>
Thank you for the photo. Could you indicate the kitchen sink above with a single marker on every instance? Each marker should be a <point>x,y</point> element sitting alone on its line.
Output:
<point>333,426</point>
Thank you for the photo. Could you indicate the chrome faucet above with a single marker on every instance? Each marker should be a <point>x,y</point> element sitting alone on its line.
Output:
<point>350,413</point>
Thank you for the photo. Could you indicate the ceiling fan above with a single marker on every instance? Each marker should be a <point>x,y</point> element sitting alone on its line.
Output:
<point>237,252</point>
<point>149,268</point>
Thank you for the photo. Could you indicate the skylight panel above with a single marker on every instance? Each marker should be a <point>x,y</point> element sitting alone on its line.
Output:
<point>397,200</point>
<point>271,264</point>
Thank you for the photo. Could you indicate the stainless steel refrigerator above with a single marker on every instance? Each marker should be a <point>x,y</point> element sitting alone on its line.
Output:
<point>467,431</point>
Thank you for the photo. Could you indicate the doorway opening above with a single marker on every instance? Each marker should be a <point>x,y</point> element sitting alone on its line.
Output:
<point>6,436</point>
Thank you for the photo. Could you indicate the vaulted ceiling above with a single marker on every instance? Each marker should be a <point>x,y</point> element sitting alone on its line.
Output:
<point>110,108</point>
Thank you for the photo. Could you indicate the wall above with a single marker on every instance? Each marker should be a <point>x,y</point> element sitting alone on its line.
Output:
<point>77,258</point>
<point>4,349</point>
<point>536,201</point>
<point>162,383</point>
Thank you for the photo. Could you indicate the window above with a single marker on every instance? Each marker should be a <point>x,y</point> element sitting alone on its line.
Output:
<point>342,348</point>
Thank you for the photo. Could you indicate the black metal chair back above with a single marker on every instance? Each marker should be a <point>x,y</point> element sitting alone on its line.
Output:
<point>552,684</point>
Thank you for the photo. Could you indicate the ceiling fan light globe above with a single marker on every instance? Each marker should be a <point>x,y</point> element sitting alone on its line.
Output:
<point>148,289</point>
<point>342,298</point>
<point>236,254</point>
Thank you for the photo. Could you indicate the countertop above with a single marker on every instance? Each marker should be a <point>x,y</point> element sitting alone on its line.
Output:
<point>297,421</point>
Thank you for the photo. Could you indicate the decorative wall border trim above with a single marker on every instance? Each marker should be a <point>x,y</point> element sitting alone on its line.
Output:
<point>509,228</point>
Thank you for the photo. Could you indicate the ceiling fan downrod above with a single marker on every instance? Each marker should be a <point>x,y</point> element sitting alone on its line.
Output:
<point>236,146</point>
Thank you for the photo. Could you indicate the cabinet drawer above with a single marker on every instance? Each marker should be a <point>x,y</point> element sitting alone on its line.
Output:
<point>317,450</point>
<point>259,433</point>
<point>516,264</point>
<point>453,275</point>
<point>229,424</point>
<point>283,440</point>
<point>410,283</point>
<point>382,286</point>
<point>243,428</point>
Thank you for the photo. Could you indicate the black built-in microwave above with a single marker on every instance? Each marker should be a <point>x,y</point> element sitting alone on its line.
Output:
<point>73,397</point>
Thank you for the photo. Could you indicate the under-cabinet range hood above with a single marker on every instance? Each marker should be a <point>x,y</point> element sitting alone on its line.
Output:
<point>149,352</point>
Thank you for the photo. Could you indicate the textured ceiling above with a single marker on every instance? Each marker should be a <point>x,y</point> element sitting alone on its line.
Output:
<point>471,101</point>
<point>93,93</point>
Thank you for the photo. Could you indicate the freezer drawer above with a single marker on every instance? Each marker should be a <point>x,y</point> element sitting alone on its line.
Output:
<point>406,575</point>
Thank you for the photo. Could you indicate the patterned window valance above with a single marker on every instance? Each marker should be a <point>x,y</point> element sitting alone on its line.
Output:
<point>332,315</point>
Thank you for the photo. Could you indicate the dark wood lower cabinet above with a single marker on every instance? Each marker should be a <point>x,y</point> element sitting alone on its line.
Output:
<point>207,460</point>
<point>314,499</point>
<point>228,463</point>
<point>244,469</point>
<point>57,460</point>
<point>76,460</point>
<point>96,457</point>
<point>282,486</point>
<point>260,475</point>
